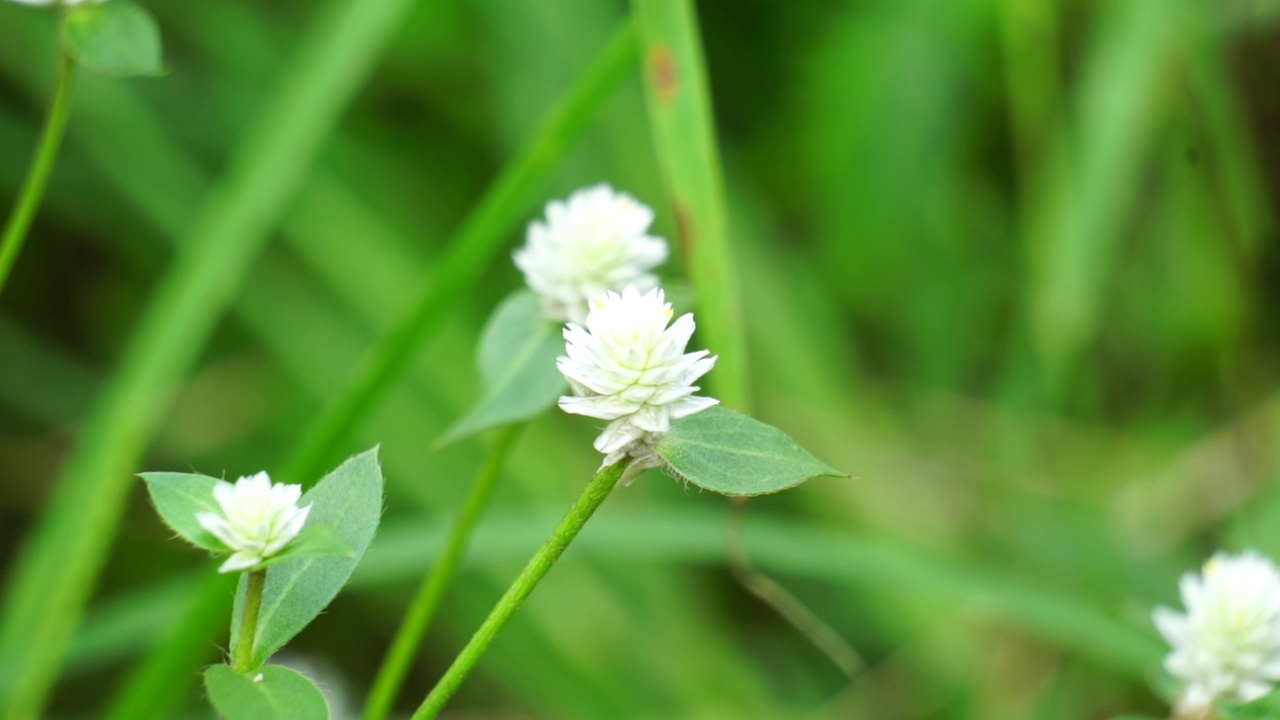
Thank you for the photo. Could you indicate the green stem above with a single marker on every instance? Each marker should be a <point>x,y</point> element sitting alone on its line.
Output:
<point>788,606</point>
<point>597,490</point>
<point>54,573</point>
<point>243,660</point>
<point>15,231</point>
<point>469,252</point>
<point>414,626</point>
<point>529,169</point>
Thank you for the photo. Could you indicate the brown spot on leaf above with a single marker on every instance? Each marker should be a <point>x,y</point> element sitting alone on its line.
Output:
<point>662,73</point>
<point>684,227</point>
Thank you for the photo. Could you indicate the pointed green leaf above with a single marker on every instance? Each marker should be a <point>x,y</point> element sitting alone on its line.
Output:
<point>732,454</point>
<point>517,362</point>
<point>349,500</point>
<point>313,541</point>
<point>114,38</point>
<point>1264,708</point>
<point>272,692</point>
<point>178,497</point>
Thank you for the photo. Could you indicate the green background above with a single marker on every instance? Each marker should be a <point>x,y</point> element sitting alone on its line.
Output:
<point>1011,264</point>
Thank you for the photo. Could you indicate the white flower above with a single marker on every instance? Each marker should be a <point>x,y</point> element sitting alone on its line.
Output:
<point>593,243</point>
<point>258,519</point>
<point>626,366</point>
<point>1227,644</point>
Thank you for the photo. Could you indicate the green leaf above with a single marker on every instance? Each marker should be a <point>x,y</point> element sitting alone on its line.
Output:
<point>349,500</point>
<point>732,454</point>
<point>114,38</point>
<point>178,497</point>
<point>517,361</point>
<point>1264,708</point>
<point>272,692</point>
<point>313,541</point>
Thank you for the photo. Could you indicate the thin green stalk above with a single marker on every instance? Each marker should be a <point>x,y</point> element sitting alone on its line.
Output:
<point>414,626</point>
<point>679,101</point>
<point>585,506</point>
<point>791,608</point>
<point>57,567</point>
<point>55,124</point>
<point>684,138</point>
<point>502,205</point>
<point>469,253</point>
<point>243,660</point>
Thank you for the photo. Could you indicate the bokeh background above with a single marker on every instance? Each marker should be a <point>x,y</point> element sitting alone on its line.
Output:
<point>1010,263</point>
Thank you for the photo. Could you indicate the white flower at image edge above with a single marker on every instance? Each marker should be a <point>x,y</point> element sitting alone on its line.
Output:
<point>1227,643</point>
<point>596,241</point>
<point>626,366</point>
<point>258,519</point>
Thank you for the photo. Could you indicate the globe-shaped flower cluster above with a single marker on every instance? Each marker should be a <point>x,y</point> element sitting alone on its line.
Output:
<point>1227,643</point>
<point>596,241</point>
<point>625,365</point>
<point>258,519</point>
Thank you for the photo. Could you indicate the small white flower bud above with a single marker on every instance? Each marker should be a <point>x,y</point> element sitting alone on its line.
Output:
<point>596,241</point>
<point>258,519</point>
<point>1227,643</point>
<point>626,366</point>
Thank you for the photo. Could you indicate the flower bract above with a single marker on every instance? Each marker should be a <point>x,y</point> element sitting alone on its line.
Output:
<point>595,241</point>
<point>1226,645</point>
<point>625,365</point>
<point>258,519</point>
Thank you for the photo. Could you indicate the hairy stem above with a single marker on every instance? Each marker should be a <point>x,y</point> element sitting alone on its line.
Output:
<point>414,626</point>
<point>583,508</point>
<point>243,661</point>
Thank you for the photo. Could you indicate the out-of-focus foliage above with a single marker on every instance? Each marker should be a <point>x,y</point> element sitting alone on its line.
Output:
<point>1010,263</point>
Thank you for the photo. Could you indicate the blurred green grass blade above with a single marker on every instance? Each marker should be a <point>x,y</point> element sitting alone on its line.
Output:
<point>61,383</point>
<point>1029,39</point>
<point>149,691</point>
<point>57,568</point>
<point>679,102</point>
<point>1232,140</point>
<point>469,253</point>
<point>122,625</point>
<point>958,586</point>
<point>1095,174</point>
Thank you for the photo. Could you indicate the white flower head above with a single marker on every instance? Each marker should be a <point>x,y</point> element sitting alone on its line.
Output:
<point>596,241</point>
<point>626,366</point>
<point>259,518</point>
<point>1227,643</point>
